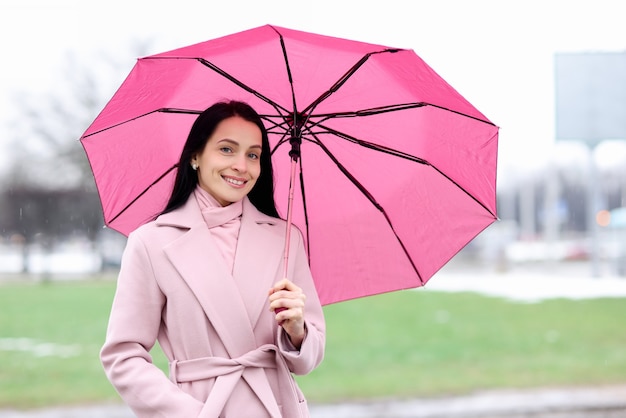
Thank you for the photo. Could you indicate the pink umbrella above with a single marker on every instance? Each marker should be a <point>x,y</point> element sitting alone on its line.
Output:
<point>393,172</point>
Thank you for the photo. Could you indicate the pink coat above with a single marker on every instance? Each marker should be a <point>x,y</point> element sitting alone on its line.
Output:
<point>228,357</point>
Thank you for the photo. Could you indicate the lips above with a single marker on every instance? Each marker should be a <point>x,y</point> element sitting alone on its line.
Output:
<point>234,181</point>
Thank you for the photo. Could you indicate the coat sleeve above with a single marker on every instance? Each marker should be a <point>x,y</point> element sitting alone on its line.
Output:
<point>311,352</point>
<point>132,331</point>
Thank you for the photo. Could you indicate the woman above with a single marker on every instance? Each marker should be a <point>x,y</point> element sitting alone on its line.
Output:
<point>204,279</point>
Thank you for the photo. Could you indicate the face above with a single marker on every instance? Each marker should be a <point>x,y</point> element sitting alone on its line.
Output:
<point>230,163</point>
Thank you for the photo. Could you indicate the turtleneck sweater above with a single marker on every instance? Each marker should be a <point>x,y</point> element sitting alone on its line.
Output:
<point>223,222</point>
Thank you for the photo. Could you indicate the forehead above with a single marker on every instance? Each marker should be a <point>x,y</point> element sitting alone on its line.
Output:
<point>237,130</point>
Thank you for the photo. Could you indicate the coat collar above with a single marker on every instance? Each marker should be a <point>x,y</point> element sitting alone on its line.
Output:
<point>189,215</point>
<point>232,302</point>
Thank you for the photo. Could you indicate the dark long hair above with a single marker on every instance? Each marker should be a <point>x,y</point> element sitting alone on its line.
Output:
<point>261,195</point>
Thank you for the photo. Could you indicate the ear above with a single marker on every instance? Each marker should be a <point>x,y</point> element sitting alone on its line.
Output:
<point>193,162</point>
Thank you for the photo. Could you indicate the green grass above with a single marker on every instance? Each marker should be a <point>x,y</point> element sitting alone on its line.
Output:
<point>428,344</point>
<point>70,315</point>
<point>411,343</point>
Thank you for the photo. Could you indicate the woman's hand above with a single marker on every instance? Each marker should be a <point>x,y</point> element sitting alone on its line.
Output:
<point>287,302</point>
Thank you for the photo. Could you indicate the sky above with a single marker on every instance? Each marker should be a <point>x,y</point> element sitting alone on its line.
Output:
<point>498,54</point>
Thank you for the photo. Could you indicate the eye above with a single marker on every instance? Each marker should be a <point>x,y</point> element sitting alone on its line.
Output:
<point>254,156</point>
<point>226,150</point>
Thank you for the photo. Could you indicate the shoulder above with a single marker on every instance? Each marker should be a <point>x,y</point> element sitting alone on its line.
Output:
<point>156,233</point>
<point>145,236</point>
<point>172,223</point>
<point>144,231</point>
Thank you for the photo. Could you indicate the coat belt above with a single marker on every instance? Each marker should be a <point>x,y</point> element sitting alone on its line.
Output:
<point>227,373</point>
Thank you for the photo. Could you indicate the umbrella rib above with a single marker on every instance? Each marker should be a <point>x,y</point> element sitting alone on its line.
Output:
<point>372,200</point>
<point>346,76</point>
<point>247,88</point>
<point>160,110</point>
<point>279,109</point>
<point>394,108</point>
<point>267,118</point>
<point>283,126</point>
<point>399,154</point>
<point>391,151</point>
<point>226,75</point>
<point>289,76</point>
<point>283,140</point>
<point>143,192</point>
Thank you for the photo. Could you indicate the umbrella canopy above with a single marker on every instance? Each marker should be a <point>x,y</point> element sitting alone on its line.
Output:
<point>396,172</point>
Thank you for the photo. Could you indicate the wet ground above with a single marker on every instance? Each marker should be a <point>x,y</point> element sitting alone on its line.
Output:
<point>538,403</point>
<point>604,402</point>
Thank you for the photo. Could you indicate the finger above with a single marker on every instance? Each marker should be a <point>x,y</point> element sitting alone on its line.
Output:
<point>287,303</point>
<point>286,294</point>
<point>280,285</point>
<point>294,314</point>
<point>285,284</point>
<point>284,289</point>
<point>279,304</point>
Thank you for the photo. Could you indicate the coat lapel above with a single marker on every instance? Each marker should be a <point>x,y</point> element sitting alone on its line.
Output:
<point>197,259</point>
<point>232,303</point>
<point>257,260</point>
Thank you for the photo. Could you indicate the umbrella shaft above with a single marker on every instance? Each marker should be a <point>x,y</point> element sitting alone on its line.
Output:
<point>292,180</point>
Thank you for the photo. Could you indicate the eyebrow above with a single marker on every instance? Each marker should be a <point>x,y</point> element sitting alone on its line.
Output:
<point>230,141</point>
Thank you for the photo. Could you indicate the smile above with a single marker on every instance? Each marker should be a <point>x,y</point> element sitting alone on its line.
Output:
<point>234,182</point>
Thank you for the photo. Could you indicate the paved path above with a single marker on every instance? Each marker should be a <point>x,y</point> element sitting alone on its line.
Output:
<point>583,402</point>
<point>606,402</point>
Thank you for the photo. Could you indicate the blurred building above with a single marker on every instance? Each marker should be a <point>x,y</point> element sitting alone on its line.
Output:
<point>590,107</point>
<point>590,96</point>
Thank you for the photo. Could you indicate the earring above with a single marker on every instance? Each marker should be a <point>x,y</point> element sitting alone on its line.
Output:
<point>194,166</point>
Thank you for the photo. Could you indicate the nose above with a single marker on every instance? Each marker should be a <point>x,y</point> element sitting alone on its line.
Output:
<point>240,163</point>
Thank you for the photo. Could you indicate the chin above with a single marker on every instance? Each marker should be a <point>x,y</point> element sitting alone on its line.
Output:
<point>233,199</point>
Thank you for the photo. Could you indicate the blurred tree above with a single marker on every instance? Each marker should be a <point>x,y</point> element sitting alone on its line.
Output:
<point>42,214</point>
<point>49,189</point>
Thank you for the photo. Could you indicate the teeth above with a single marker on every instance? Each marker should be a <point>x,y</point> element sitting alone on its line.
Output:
<point>235,182</point>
